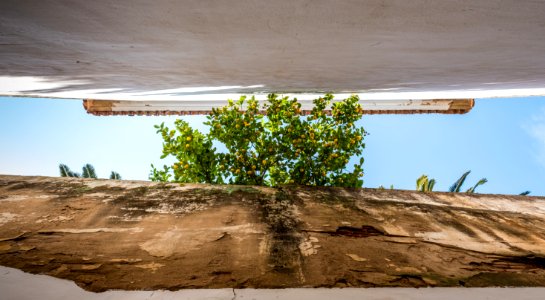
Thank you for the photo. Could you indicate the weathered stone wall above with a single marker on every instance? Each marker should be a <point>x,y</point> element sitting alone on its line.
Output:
<point>106,234</point>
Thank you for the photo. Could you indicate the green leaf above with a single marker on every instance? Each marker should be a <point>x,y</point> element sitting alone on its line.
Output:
<point>421,183</point>
<point>480,182</point>
<point>88,171</point>
<point>64,170</point>
<point>455,188</point>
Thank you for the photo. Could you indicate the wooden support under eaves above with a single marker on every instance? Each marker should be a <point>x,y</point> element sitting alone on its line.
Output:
<point>161,108</point>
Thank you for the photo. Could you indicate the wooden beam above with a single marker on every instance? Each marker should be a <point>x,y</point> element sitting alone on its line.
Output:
<point>161,108</point>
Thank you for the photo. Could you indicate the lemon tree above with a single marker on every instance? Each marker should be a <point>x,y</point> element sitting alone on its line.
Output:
<point>269,144</point>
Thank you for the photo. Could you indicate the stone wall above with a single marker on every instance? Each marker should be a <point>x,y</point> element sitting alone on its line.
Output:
<point>106,234</point>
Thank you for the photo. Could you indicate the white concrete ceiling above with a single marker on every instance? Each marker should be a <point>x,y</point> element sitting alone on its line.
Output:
<point>204,50</point>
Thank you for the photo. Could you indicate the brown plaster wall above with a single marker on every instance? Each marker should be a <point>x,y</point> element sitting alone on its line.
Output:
<point>106,234</point>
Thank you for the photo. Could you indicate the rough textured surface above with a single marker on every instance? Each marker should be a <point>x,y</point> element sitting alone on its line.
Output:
<point>158,108</point>
<point>170,49</point>
<point>106,234</point>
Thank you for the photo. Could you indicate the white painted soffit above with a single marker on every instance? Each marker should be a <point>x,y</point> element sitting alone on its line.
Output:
<point>207,51</point>
<point>28,86</point>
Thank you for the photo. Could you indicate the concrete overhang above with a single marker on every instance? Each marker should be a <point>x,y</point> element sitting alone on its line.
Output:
<point>196,53</point>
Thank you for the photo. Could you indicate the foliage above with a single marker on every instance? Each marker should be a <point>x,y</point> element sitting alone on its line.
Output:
<point>525,193</point>
<point>280,148</point>
<point>88,171</point>
<point>381,187</point>
<point>456,186</point>
<point>480,182</point>
<point>425,185</point>
<point>160,175</point>
<point>66,172</point>
<point>115,175</point>
<point>194,152</point>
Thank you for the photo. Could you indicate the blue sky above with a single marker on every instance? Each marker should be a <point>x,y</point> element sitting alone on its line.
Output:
<point>500,139</point>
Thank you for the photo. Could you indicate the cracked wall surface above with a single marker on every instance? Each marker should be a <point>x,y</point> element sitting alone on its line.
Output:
<point>130,235</point>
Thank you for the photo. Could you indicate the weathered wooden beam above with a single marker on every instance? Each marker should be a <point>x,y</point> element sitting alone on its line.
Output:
<point>154,108</point>
<point>112,234</point>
